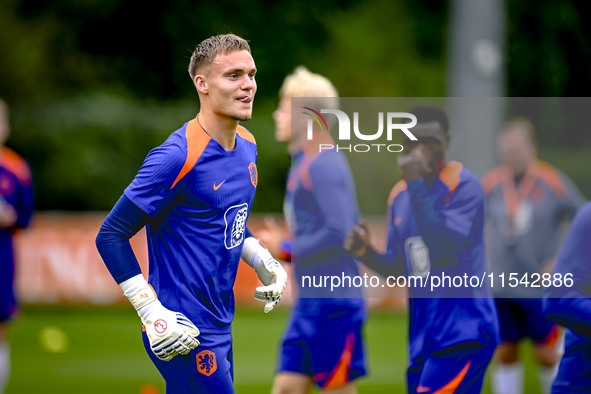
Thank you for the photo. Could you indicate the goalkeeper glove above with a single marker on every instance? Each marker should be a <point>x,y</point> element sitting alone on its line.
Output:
<point>269,271</point>
<point>170,333</point>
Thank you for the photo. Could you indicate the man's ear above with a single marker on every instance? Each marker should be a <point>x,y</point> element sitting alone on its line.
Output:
<point>201,84</point>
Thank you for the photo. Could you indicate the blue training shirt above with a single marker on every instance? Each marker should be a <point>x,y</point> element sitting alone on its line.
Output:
<point>199,196</point>
<point>434,229</point>
<point>571,305</point>
<point>323,209</point>
<point>16,189</point>
<point>525,220</point>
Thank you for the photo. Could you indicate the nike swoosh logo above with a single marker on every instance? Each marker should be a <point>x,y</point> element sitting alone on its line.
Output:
<point>218,186</point>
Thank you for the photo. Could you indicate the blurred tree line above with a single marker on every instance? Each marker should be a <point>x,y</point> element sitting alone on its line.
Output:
<point>94,85</point>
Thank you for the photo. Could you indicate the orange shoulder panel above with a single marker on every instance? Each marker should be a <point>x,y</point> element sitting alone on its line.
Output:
<point>247,135</point>
<point>197,140</point>
<point>398,187</point>
<point>494,177</point>
<point>549,174</point>
<point>450,175</point>
<point>17,165</point>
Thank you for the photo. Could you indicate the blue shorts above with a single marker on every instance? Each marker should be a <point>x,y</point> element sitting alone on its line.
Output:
<point>328,348</point>
<point>520,318</point>
<point>207,369</point>
<point>8,304</point>
<point>574,371</point>
<point>458,370</point>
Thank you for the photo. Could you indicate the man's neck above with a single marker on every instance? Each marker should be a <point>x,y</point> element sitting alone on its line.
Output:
<point>221,129</point>
<point>430,178</point>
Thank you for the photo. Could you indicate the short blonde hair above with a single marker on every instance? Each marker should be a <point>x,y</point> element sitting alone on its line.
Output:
<point>206,52</point>
<point>303,83</point>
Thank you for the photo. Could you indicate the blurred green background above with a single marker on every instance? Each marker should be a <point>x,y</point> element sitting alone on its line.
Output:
<point>93,85</point>
<point>104,352</point>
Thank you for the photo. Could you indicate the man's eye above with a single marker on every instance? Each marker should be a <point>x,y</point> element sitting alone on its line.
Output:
<point>233,75</point>
<point>251,76</point>
<point>430,141</point>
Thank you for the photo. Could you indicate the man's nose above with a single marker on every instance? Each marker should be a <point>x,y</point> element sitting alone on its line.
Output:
<point>248,84</point>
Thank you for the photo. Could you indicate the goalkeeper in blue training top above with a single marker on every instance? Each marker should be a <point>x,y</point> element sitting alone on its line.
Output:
<point>194,194</point>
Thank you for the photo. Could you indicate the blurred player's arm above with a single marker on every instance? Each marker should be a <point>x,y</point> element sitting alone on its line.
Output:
<point>19,216</point>
<point>357,244</point>
<point>571,305</point>
<point>273,236</point>
<point>152,191</point>
<point>334,203</point>
<point>269,271</point>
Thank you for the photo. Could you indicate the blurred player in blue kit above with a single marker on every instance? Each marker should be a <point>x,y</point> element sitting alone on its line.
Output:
<point>435,225</point>
<point>569,304</point>
<point>527,202</point>
<point>194,194</point>
<point>322,343</point>
<point>16,208</point>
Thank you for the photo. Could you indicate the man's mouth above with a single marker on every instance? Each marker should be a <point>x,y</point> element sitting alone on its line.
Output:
<point>245,99</point>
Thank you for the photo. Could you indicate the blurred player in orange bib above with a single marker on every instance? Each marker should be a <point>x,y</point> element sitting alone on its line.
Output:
<point>527,201</point>
<point>16,208</point>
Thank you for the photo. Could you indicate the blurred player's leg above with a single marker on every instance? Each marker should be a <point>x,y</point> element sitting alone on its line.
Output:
<point>324,350</point>
<point>507,378</point>
<point>521,318</point>
<point>4,358</point>
<point>459,370</point>
<point>548,353</point>
<point>507,374</point>
<point>7,311</point>
<point>291,383</point>
<point>296,383</point>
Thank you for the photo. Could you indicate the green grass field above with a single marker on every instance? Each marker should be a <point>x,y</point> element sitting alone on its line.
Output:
<point>103,352</point>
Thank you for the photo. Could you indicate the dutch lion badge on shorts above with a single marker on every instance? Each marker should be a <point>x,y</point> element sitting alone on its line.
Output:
<point>206,362</point>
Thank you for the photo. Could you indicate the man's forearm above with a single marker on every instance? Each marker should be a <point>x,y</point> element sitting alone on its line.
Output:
<point>112,242</point>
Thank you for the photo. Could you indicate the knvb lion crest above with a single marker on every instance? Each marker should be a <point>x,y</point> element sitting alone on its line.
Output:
<point>206,362</point>
<point>235,218</point>
<point>254,175</point>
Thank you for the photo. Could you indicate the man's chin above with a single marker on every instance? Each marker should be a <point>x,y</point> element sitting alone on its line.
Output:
<point>242,118</point>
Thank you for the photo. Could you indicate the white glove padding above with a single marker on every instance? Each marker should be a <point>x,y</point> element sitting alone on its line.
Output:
<point>269,271</point>
<point>170,333</point>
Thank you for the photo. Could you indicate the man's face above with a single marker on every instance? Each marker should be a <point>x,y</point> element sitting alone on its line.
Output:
<point>282,117</point>
<point>432,141</point>
<point>231,85</point>
<point>516,149</point>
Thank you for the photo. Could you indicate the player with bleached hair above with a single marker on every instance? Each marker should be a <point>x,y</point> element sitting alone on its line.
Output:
<point>322,345</point>
<point>194,193</point>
